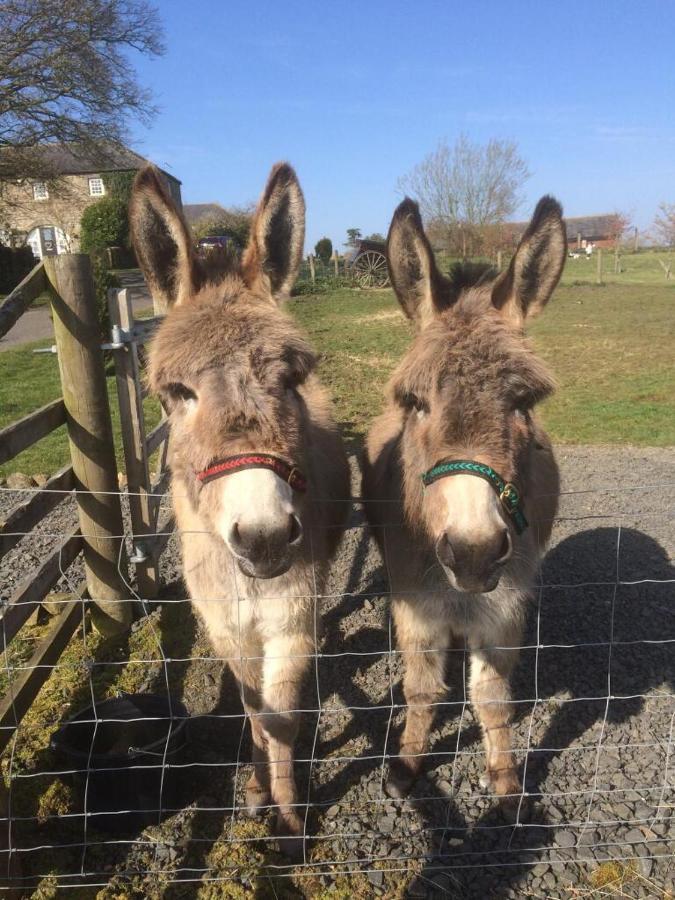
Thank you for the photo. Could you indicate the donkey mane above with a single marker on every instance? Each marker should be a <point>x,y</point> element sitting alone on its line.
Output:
<point>465,274</point>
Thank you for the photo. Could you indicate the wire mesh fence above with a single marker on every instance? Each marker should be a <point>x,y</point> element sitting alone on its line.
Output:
<point>149,799</point>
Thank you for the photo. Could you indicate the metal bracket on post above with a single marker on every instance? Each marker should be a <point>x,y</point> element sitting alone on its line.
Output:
<point>51,349</point>
<point>119,337</point>
<point>139,334</point>
<point>140,553</point>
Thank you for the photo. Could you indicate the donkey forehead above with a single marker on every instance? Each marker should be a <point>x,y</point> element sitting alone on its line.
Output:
<point>468,350</point>
<point>223,336</point>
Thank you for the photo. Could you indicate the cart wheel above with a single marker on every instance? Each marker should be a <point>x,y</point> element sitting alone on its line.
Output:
<point>370,269</point>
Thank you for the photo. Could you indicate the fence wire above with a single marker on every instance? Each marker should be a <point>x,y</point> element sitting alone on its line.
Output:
<point>593,725</point>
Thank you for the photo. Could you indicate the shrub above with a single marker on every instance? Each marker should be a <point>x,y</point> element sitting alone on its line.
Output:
<point>233,223</point>
<point>15,264</point>
<point>104,280</point>
<point>104,224</point>
<point>324,249</point>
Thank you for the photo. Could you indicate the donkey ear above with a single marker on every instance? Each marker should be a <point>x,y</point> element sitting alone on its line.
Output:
<point>274,253</point>
<point>412,267</point>
<point>161,240</point>
<point>526,286</point>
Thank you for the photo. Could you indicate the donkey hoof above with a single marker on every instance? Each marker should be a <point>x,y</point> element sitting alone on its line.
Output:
<point>399,782</point>
<point>257,803</point>
<point>507,788</point>
<point>291,839</point>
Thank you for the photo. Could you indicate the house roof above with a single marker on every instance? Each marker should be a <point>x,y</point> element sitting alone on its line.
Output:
<point>600,226</point>
<point>76,159</point>
<point>201,212</point>
<point>589,227</point>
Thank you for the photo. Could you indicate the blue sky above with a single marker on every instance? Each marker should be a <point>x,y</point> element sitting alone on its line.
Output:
<point>353,95</point>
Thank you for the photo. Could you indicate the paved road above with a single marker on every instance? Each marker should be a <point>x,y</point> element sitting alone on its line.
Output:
<point>36,324</point>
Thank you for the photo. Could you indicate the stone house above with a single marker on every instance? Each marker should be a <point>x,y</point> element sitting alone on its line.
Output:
<point>46,214</point>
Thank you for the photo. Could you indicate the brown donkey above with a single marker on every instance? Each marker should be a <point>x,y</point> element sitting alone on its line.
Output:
<point>455,460</point>
<point>260,480</point>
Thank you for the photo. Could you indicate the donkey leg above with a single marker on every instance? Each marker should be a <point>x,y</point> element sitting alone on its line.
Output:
<point>249,675</point>
<point>287,659</point>
<point>423,645</point>
<point>491,697</point>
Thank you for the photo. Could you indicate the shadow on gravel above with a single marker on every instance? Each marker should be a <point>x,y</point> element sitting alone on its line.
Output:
<point>605,603</point>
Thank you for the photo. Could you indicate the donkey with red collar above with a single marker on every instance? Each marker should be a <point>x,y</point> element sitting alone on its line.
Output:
<point>260,480</point>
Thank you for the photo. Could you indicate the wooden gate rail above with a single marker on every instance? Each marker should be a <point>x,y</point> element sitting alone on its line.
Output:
<point>138,444</point>
<point>22,434</point>
<point>35,587</point>
<point>29,513</point>
<point>17,301</point>
<point>37,670</point>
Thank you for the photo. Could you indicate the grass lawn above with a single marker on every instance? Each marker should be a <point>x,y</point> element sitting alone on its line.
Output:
<point>610,348</point>
<point>29,380</point>
<point>635,268</point>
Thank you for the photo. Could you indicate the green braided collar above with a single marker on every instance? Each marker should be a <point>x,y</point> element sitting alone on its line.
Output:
<point>507,492</point>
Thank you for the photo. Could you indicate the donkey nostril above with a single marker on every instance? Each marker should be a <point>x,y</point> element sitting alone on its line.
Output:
<point>235,536</point>
<point>505,547</point>
<point>444,551</point>
<point>295,532</point>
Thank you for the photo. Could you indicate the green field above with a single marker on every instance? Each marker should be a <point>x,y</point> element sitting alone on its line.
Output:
<point>29,380</point>
<point>611,348</point>
<point>634,268</point>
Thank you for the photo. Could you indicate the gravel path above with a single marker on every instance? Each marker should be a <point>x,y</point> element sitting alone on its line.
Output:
<point>600,771</point>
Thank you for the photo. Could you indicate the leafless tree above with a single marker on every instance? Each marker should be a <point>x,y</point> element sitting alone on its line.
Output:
<point>468,187</point>
<point>664,225</point>
<point>65,76</point>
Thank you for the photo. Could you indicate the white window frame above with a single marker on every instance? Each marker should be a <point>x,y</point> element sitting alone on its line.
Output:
<point>98,180</point>
<point>40,190</point>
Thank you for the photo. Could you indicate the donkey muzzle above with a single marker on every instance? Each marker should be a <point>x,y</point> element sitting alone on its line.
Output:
<point>266,552</point>
<point>474,565</point>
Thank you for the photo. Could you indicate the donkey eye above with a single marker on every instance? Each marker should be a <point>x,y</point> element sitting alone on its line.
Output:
<point>412,401</point>
<point>178,391</point>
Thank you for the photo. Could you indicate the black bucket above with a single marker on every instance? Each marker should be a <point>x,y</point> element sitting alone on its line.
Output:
<point>122,751</point>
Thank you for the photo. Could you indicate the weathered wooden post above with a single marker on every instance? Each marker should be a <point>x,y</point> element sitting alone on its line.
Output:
<point>598,278</point>
<point>78,340</point>
<point>312,272</point>
<point>499,260</point>
<point>336,263</point>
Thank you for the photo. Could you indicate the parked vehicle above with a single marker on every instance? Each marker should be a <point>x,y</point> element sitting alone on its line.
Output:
<point>214,242</point>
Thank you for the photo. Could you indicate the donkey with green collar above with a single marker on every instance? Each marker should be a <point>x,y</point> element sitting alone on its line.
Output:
<point>461,482</point>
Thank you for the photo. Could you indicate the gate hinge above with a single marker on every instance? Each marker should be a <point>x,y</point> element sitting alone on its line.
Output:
<point>118,338</point>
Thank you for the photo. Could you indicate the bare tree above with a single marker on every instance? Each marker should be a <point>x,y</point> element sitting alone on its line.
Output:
<point>65,76</point>
<point>465,188</point>
<point>664,224</point>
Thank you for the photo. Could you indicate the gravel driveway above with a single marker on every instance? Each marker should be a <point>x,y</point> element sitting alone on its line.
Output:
<point>595,706</point>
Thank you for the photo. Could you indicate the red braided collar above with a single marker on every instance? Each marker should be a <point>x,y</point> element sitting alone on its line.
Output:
<point>292,475</point>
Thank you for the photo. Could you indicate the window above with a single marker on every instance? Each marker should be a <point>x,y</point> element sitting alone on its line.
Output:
<point>96,187</point>
<point>40,191</point>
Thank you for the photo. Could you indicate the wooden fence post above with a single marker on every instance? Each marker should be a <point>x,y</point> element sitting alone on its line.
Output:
<point>499,260</point>
<point>598,279</point>
<point>311,268</point>
<point>85,395</point>
<point>336,263</point>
